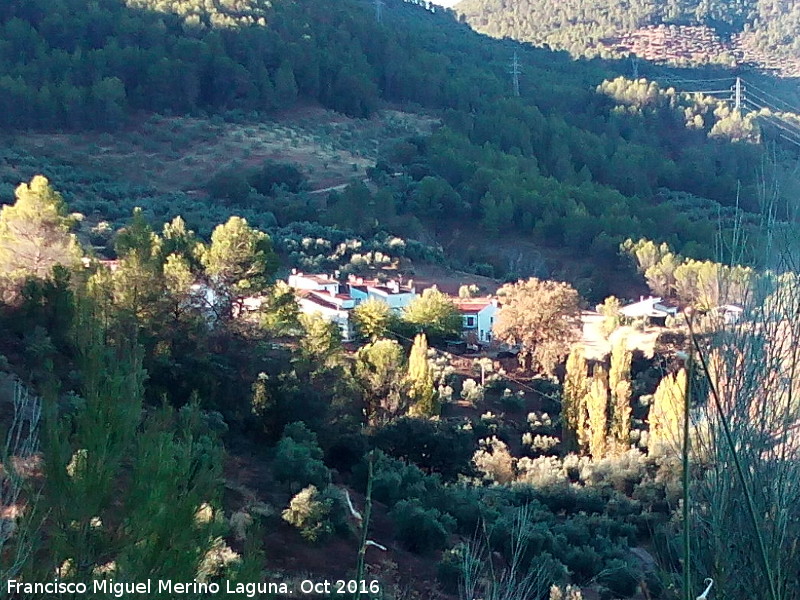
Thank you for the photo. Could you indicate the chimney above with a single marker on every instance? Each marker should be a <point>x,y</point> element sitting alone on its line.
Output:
<point>294,271</point>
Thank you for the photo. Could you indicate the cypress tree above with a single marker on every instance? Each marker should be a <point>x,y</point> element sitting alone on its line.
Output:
<point>573,397</point>
<point>597,408</point>
<point>666,414</point>
<point>420,380</point>
<point>620,386</point>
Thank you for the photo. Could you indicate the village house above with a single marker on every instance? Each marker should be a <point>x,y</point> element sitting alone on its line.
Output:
<point>477,315</point>
<point>324,295</point>
<point>317,283</point>
<point>651,309</point>
<point>392,292</point>
<point>333,307</point>
<point>321,294</point>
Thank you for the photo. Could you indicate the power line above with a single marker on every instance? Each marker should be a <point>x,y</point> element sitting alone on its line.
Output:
<point>709,92</point>
<point>794,135</point>
<point>682,80</point>
<point>784,123</point>
<point>764,93</point>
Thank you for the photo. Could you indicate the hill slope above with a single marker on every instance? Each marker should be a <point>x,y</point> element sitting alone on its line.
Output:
<point>749,30</point>
<point>574,161</point>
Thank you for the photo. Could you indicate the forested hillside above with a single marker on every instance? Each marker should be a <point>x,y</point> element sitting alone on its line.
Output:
<point>571,162</point>
<point>580,25</point>
<point>173,410</point>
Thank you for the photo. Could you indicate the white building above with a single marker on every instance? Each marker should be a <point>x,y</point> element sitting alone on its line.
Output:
<point>392,292</point>
<point>477,315</point>
<point>319,294</point>
<point>651,309</point>
<point>323,283</point>
<point>334,308</point>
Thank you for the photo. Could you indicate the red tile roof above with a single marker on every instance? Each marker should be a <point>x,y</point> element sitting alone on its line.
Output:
<point>472,305</point>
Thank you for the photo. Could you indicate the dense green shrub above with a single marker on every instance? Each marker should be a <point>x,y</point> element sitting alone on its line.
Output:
<point>618,577</point>
<point>449,571</point>
<point>584,562</point>
<point>312,513</point>
<point>273,175</point>
<point>298,458</point>
<point>434,446</point>
<point>230,185</point>
<point>419,529</point>
<point>308,514</point>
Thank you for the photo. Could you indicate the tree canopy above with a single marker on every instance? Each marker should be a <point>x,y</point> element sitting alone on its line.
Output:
<point>541,317</point>
<point>35,233</point>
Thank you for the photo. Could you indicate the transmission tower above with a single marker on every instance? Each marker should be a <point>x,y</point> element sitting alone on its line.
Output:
<point>515,71</point>
<point>635,66</point>
<point>737,95</point>
<point>379,10</point>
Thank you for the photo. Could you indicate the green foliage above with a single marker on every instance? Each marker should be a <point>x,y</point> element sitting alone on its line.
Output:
<point>611,315</point>
<point>111,468</point>
<point>434,313</point>
<point>573,398</point>
<point>579,26</point>
<point>372,318</point>
<point>419,529</point>
<point>230,185</point>
<point>420,380</point>
<point>468,291</point>
<point>433,446</point>
<point>35,234</point>
<point>239,263</point>
<point>321,342</point>
<point>597,409</point>
<point>619,382</point>
<point>280,313</point>
<point>378,370</point>
<point>273,175</point>
<point>310,512</point>
<point>702,284</point>
<point>298,459</point>
<point>665,417</point>
<point>619,578</point>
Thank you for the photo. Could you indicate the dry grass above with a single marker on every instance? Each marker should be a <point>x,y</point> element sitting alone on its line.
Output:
<point>180,153</point>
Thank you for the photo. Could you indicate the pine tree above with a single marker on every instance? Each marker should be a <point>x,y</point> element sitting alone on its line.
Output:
<point>35,233</point>
<point>420,380</point>
<point>377,369</point>
<point>285,85</point>
<point>620,387</point>
<point>666,414</point>
<point>110,468</point>
<point>597,408</point>
<point>239,263</point>
<point>138,283</point>
<point>573,397</point>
